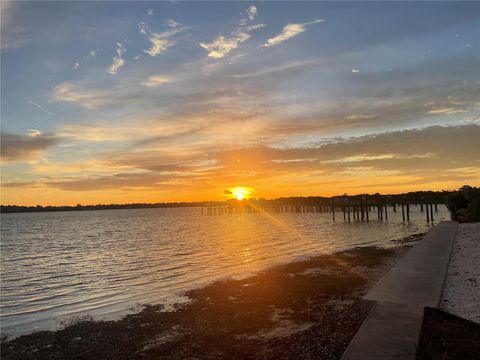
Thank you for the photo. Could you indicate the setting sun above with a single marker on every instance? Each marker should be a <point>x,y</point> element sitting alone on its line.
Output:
<point>240,192</point>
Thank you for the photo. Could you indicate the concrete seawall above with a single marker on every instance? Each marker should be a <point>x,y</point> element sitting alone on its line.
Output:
<point>393,308</point>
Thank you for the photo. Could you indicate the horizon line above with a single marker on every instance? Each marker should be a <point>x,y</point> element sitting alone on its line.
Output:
<point>251,198</point>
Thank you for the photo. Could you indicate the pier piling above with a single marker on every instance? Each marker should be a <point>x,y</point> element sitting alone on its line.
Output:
<point>353,210</point>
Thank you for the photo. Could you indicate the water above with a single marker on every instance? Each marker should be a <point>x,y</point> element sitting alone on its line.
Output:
<point>63,264</point>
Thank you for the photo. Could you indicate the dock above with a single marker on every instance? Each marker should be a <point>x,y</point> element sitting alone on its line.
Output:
<point>347,210</point>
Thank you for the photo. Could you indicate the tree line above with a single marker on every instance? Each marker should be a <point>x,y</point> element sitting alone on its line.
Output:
<point>415,197</point>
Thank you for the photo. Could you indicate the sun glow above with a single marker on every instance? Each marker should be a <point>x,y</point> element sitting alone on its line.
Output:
<point>240,193</point>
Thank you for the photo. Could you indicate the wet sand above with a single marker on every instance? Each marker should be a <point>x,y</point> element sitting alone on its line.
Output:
<point>308,309</point>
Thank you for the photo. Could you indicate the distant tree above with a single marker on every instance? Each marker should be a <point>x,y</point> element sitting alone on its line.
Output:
<point>464,205</point>
<point>466,188</point>
<point>455,203</point>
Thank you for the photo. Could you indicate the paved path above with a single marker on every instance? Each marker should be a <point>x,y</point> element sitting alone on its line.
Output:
<point>393,308</point>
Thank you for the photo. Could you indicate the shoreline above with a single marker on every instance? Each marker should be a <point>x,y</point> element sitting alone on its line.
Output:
<point>58,323</point>
<point>307,308</point>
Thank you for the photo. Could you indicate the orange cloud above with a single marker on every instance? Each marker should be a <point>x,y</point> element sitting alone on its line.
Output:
<point>434,157</point>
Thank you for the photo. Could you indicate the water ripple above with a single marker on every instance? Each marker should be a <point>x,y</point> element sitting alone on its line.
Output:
<point>56,265</point>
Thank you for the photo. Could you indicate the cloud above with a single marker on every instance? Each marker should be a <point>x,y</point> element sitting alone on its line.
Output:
<point>123,96</point>
<point>418,156</point>
<point>120,130</point>
<point>15,148</point>
<point>255,27</point>
<point>159,45</point>
<point>92,53</point>
<point>21,184</point>
<point>156,80</point>
<point>75,92</point>
<point>172,23</point>
<point>445,111</point>
<point>76,65</point>
<point>359,117</point>
<point>275,69</point>
<point>252,12</point>
<point>143,28</point>
<point>419,152</point>
<point>290,31</point>
<point>222,45</point>
<point>14,35</point>
<point>150,12</point>
<point>160,42</point>
<point>118,60</point>
<point>129,181</point>
<point>34,133</point>
<point>262,98</point>
<point>90,132</point>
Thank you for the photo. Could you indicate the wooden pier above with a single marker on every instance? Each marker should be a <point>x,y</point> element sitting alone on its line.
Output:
<point>349,211</point>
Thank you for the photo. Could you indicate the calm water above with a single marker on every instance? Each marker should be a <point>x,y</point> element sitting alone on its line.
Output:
<point>63,264</point>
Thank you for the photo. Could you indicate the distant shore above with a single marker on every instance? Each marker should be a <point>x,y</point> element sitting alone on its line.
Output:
<point>415,197</point>
<point>306,309</point>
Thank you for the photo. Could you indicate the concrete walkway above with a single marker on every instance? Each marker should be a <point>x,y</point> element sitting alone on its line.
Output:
<point>393,308</point>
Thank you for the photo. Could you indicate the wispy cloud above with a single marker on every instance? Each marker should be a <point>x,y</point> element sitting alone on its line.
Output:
<point>223,45</point>
<point>172,23</point>
<point>290,31</point>
<point>159,45</point>
<point>145,131</point>
<point>34,133</point>
<point>118,60</point>
<point>445,111</point>
<point>252,12</point>
<point>156,80</point>
<point>273,69</point>
<point>359,117</point>
<point>74,92</point>
<point>161,41</point>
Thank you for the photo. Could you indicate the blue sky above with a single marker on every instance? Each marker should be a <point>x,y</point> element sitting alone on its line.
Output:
<point>145,98</point>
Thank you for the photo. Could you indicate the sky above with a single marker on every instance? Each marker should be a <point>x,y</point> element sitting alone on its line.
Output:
<point>120,102</point>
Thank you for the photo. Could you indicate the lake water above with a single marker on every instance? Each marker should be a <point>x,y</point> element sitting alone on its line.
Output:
<point>63,264</point>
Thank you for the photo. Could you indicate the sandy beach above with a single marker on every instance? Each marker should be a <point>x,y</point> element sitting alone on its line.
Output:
<point>453,331</point>
<point>307,309</point>
<point>461,293</point>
